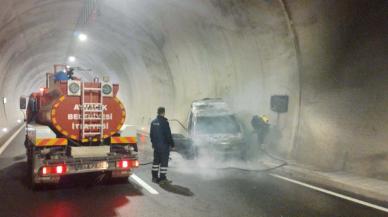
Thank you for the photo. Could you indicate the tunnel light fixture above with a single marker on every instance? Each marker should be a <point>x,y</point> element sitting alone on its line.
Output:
<point>4,100</point>
<point>82,37</point>
<point>19,121</point>
<point>71,58</point>
<point>4,130</point>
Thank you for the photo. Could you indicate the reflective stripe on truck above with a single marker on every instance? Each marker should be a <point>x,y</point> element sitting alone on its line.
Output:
<point>51,142</point>
<point>123,140</point>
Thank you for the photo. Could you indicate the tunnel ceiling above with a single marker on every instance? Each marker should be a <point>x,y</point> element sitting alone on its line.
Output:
<point>179,50</point>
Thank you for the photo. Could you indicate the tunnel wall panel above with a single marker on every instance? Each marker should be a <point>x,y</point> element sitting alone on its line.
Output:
<point>344,83</point>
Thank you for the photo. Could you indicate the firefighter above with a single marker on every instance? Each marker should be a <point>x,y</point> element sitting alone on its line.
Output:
<point>60,76</point>
<point>261,126</point>
<point>70,73</point>
<point>161,140</point>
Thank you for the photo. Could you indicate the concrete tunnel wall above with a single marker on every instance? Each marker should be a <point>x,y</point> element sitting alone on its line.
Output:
<point>173,52</point>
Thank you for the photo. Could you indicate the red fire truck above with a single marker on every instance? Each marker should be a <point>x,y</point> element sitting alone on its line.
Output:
<point>75,127</point>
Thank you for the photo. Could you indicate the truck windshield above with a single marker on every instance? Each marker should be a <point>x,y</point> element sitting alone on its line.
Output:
<point>217,125</point>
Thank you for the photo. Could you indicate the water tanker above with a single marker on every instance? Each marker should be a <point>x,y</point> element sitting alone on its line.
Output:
<point>76,127</point>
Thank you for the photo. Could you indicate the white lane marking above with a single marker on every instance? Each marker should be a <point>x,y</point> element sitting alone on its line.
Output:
<point>6,144</point>
<point>384,209</point>
<point>143,184</point>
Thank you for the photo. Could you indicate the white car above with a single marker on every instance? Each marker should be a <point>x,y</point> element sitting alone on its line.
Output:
<point>211,128</point>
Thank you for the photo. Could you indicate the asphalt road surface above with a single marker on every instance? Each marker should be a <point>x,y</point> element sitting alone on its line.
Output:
<point>220,193</point>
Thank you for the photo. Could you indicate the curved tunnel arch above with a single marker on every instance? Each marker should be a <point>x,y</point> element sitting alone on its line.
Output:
<point>171,53</point>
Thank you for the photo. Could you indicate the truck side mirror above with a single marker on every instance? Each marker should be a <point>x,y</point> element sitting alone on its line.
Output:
<point>23,103</point>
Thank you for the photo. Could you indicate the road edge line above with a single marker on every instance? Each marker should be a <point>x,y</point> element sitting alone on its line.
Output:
<point>143,184</point>
<point>6,144</point>
<point>354,200</point>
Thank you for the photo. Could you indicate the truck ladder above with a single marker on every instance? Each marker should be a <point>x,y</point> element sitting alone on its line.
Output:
<point>95,110</point>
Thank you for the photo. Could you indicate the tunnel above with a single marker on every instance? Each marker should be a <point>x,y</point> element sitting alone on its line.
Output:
<point>328,57</point>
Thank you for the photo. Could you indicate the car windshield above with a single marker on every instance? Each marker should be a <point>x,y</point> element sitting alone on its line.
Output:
<point>217,125</point>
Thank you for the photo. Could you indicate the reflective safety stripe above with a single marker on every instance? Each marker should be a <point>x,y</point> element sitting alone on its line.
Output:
<point>155,167</point>
<point>163,169</point>
<point>51,142</point>
<point>123,140</point>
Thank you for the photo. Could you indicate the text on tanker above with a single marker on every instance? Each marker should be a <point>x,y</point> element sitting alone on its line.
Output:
<point>91,107</point>
<point>75,126</point>
<point>89,116</point>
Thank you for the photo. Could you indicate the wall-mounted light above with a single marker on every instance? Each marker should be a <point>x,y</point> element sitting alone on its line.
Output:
<point>4,130</point>
<point>19,121</point>
<point>71,58</point>
<point>82,37</point>
<point>4,100</point>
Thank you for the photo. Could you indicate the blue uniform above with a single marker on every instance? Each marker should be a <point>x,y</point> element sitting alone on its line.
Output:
<point>61,76</point>
<point>161,139</point>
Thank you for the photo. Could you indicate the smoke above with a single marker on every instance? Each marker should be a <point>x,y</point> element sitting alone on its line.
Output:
<point>208,167</point>
<point>221,142</point>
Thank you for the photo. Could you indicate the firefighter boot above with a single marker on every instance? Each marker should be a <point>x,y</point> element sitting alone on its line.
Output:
<point>155,173</point>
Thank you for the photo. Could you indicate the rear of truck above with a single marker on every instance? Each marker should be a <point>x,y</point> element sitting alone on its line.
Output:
<point>50,158</point>
<point>76,127</point>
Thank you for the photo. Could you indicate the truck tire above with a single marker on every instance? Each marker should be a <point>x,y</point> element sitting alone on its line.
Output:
<point>31,182</point>
<point>31,176</point>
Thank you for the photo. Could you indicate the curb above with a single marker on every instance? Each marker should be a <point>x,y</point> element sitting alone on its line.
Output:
<point>363,187</point>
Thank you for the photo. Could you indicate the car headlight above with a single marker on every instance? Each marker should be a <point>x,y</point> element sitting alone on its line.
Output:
<point>74,88</point>
<point>106,89</point>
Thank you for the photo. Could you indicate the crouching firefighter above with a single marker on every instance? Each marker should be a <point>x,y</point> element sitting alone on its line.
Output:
<point>161,140</point>
<point>261,126</point>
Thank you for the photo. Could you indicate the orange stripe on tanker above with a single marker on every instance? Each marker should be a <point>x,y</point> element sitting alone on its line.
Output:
<point>124,140</point>
<point>43,142</point>
<point>132,139</point>
<point>51,142</point>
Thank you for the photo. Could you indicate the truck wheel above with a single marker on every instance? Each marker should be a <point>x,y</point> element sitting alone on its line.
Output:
<point>31,176</point>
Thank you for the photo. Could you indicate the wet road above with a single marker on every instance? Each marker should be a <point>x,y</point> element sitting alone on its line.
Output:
<point>214,193</point>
